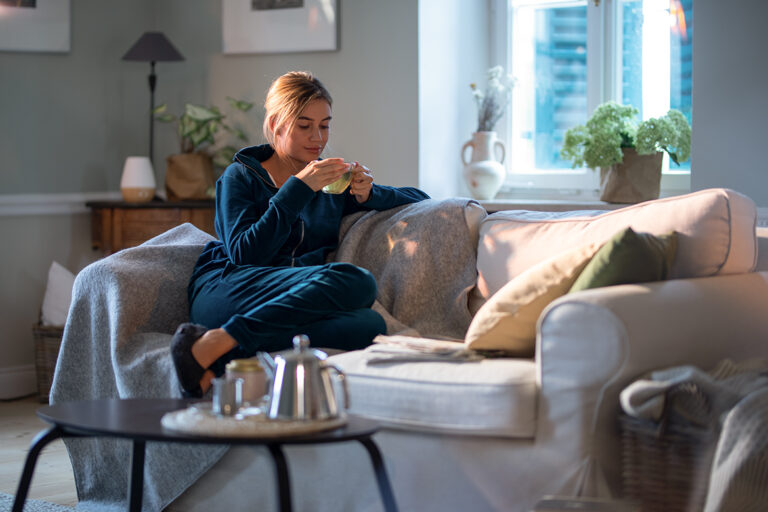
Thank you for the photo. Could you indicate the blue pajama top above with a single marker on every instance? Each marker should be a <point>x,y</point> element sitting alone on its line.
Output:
<point>262,225</point>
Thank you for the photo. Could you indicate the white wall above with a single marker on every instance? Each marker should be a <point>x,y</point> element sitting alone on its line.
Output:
<point>730,104</point>
<point>454,51</point>
<point>32,242</point>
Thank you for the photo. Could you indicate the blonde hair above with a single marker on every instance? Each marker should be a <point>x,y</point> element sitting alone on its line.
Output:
<point>287,97</point>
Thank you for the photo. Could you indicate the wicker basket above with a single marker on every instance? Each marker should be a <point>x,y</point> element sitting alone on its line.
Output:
<point>47,343</point>
<point>665,467</point>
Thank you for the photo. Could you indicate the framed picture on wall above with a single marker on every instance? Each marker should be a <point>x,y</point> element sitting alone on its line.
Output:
<point>34,25</point>
<point>278,26</point>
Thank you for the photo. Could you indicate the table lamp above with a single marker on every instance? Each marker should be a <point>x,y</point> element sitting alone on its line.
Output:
<point>152,47</point>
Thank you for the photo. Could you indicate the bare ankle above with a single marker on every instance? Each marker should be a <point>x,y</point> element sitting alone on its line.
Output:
<point>212,345</point>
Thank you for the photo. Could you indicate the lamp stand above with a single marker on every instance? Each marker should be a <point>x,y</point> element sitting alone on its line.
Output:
<point>152,83</point>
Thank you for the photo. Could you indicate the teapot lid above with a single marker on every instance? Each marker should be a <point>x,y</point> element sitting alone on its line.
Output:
<point>301,351</point>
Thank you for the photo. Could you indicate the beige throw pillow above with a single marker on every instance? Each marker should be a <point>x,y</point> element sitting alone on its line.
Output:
<point>507,321</point>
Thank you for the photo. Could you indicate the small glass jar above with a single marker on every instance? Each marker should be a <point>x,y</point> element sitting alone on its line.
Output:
<point>254,379</point>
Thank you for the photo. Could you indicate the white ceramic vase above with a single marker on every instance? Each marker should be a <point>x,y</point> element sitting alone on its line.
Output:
<point>484,173</point>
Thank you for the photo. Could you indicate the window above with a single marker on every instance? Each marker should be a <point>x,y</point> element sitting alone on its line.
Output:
<point>571,55</point>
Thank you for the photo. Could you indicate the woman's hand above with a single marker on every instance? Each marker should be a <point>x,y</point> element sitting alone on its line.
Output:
<point>320,173</point>
<point>362,182</point>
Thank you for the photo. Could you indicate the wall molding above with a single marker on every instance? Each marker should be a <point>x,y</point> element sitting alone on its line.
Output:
<point>17,381</point>
<point>51,204</point>
<point>762,217</point>
<point>57,204</point>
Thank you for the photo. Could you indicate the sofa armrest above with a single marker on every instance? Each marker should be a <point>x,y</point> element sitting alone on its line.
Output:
<point>592,344</point>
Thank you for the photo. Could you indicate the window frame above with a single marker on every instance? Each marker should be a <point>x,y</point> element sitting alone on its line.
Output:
<point>603,84</point>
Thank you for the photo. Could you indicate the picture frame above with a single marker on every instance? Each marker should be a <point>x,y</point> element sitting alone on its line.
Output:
<point>35,25</point>
<point>279,26</point>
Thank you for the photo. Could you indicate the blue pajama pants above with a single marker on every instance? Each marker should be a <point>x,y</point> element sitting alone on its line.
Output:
<point>262,308</point>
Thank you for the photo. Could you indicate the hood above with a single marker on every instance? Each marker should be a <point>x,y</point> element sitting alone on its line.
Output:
<point>252,157</point>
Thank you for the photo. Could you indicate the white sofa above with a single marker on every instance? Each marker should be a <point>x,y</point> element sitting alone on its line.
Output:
<point>498,434</point>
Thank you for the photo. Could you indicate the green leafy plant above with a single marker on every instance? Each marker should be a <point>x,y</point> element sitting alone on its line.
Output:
<point>612,127</point>
<point>198,127</point>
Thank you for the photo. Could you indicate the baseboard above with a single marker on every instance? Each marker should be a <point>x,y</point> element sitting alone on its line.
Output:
<point>17,381</point>
<point>762,217</point>
<point>51,204</point>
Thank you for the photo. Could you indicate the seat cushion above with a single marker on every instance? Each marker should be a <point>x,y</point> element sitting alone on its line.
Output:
<point>716,235</point>
<point>489,397</point>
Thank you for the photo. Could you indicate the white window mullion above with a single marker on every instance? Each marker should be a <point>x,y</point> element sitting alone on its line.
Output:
<point>596,71</point>
<point>655,59</point>
<point>612,51</point>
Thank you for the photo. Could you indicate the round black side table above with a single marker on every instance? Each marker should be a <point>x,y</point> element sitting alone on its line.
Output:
<point>139,421</point>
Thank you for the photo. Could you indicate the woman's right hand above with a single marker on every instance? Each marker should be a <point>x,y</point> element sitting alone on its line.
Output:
<point>319,173</point>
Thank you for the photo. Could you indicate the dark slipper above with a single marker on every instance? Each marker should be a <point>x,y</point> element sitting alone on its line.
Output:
<point>188,370</point>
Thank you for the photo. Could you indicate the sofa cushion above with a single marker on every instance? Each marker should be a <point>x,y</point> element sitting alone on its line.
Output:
<point>716,235</point>
<point>629,257</point>
<point>508,320</point>
<point>448,397</point>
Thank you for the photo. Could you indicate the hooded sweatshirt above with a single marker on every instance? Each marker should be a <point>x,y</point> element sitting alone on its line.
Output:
<point>262,225</point>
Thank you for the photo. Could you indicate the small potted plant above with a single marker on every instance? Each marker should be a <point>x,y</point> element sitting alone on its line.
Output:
<point>189,174</point>
<point>628,153</point>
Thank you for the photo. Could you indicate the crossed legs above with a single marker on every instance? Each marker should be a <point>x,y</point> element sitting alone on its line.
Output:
<point>251,309</point>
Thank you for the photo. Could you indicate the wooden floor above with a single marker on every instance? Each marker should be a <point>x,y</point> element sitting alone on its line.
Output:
<point>52,480</point>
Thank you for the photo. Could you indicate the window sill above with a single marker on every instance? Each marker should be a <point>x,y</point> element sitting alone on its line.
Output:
<point>546,205</point>
<point>558,200</point>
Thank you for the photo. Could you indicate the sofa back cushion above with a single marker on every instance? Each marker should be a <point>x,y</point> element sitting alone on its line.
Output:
<point>716,235</point>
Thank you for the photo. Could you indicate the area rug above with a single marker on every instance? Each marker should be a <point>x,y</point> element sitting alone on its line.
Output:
<point>6,503</point>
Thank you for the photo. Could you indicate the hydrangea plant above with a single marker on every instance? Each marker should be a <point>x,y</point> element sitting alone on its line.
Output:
<point>612,127</point>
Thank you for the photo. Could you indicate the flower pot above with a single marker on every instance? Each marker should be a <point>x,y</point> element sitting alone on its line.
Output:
<point>189,176</point>
<point>483,173</point>
<point>637,178</point>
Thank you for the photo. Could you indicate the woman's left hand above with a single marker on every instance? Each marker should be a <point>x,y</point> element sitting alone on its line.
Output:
<point>362,182</point>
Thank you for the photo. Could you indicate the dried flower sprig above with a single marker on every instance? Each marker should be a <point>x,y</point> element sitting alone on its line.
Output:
<point>492,102</point>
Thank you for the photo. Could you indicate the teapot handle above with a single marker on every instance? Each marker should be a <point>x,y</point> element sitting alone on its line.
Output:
<point>343,379</point>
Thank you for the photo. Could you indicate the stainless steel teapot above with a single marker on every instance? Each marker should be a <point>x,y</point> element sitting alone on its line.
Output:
<point>301,385</point>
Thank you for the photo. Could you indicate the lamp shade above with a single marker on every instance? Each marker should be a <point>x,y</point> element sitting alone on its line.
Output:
<point>153,47</point>
<point>138,181</point>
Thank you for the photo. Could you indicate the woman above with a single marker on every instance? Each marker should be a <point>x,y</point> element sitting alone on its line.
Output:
<point>265,279</point>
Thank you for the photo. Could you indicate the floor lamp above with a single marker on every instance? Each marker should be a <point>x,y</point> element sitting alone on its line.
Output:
<point>152,47</point>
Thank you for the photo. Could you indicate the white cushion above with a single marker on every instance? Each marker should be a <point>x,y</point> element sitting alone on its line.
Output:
<point>716,235</point>
<point>490,397</point>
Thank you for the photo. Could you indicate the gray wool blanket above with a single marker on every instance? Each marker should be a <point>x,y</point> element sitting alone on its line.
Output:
<point>126,307</point>
<point>732,401</point>
<point>116,344</point>
<point>424,259</point>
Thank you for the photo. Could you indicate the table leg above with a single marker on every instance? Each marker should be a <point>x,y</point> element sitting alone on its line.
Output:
<point>136,477</point>
<point>387,496</point>
<point>283,480</point>
<point>38,443</point>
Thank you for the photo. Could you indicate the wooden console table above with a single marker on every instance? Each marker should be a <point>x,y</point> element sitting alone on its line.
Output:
<point>116,225</point>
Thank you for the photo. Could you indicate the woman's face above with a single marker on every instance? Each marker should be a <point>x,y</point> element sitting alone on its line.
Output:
<point>309,134</point>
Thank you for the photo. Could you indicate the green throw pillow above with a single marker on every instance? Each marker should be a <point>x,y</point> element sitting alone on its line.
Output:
<point>629,257</point>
